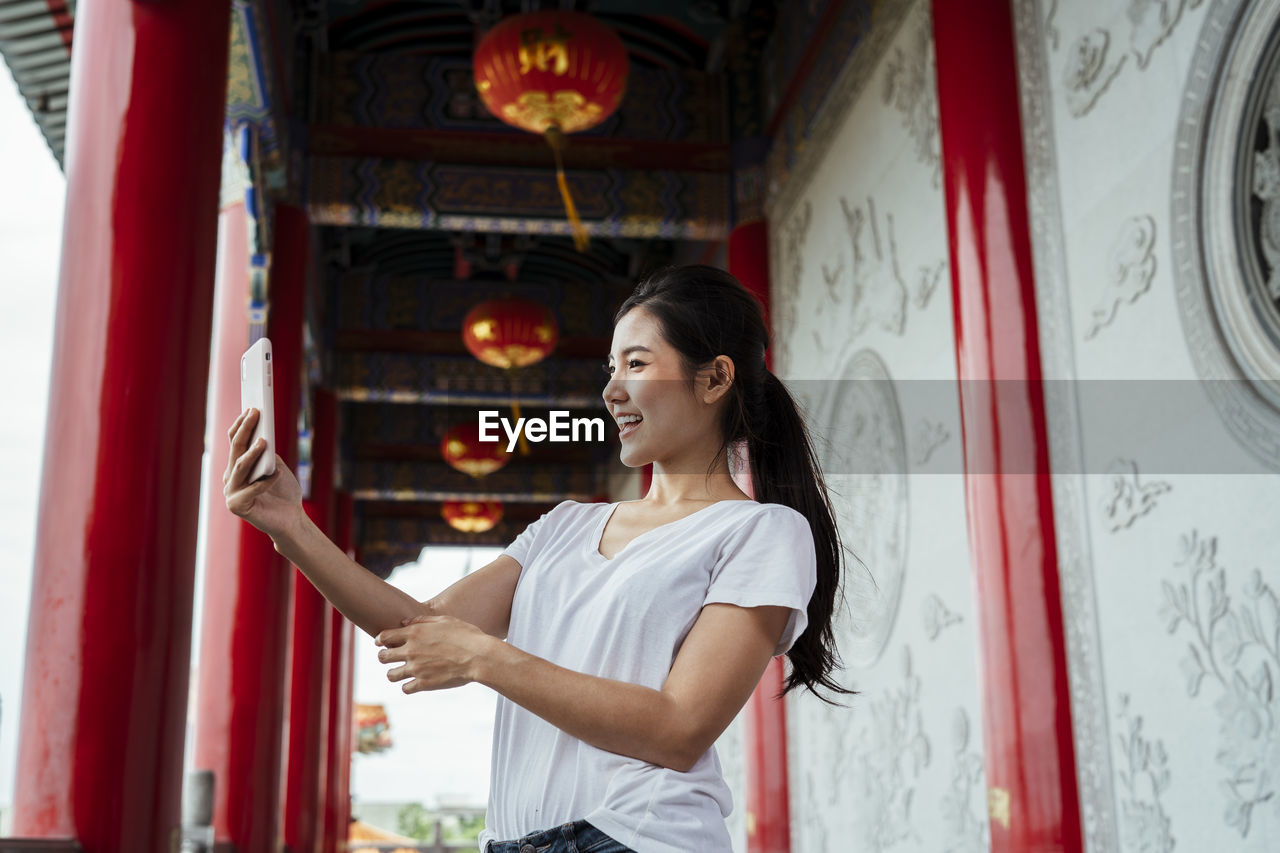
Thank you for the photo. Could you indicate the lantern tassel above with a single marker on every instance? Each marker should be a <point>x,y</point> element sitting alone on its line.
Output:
<point>555,138</point>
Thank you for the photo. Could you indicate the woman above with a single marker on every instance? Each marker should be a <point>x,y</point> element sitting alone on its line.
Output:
<point>635,631</point>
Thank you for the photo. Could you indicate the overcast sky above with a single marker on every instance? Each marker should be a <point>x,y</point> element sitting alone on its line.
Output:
<point>441,738</point>
<point>31,190</point>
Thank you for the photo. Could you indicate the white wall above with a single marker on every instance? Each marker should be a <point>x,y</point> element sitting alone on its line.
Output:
<point>1161,746</point>
<point>860,290</point>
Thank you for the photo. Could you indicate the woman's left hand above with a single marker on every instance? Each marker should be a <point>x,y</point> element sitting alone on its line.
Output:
<point>437,652</point>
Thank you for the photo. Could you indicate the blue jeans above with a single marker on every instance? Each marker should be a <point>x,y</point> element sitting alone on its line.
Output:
<point>576,837</point>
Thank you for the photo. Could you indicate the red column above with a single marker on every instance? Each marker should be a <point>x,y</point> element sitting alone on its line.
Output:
<point>765,721</point>
<point>308,746</point>
<point>109,638</point>
<point>244,649</point>
<point>341,697</point>
<point>1030,761</point>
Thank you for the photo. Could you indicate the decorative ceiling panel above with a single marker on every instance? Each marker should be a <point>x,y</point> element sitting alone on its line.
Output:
<point>35,41</point>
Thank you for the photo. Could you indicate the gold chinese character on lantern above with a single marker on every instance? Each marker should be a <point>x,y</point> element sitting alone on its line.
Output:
<point>527,76</point>
<point>543,52</point>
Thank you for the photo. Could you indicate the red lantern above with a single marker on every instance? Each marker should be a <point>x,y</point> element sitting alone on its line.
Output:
<point>510,333</point>
<point>552,73</point>
<point>472,516</point>
<point>462,448</point>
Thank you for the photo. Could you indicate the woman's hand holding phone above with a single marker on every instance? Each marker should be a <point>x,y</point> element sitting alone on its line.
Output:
<point>272,504</point>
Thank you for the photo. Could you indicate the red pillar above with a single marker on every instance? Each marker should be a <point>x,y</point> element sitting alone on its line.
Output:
<point>109,639</point>
<point>341,697</point>
<point>308,747</point>
<point>244,649</point>
<point>765,721</point>
<point>1030,760</point>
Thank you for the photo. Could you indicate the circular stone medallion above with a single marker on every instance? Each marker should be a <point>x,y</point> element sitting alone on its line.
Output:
<point>864,461</point>
<point>1226,219</point>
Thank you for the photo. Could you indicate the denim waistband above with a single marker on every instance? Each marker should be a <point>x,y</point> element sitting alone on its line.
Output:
<point>567,834</point>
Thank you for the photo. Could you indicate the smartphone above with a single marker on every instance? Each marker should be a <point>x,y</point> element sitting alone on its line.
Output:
<point>256,392</point>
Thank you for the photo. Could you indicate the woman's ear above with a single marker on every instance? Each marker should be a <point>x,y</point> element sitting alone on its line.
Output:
<point>716,378</point>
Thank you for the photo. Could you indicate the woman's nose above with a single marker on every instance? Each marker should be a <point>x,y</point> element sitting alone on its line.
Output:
<point>613,390</point>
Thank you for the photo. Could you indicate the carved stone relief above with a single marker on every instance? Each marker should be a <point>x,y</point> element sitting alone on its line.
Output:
<point>890,755</point>
<point>936,616</point>
<point>963,806</point>
<point>1144,824</point>
<point>1050,28</point>
<point>1231,325</point>
<point>1266,187</point>
<point>927,281</point>
<point>1131,265</point>
<point>1153,21</point>
<point>830,298</point>
<point>864,461</point>
<point>832,278</point>
<point>1237,651</point>
<point>860,71</point>
<point>930,435</point>
<point>1091,64</point>
<point>910,87</point>
<point>1129,499</point>
<point>827,735</point>
<point>1035,35</point>
<point>1089,71</point>
<point>785,298</point>
<point>878,292</point>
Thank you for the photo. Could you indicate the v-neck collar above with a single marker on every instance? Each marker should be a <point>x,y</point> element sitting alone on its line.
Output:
<point>598,535</point>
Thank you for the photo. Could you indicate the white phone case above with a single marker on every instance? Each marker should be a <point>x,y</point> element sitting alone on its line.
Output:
<point>256,391</point>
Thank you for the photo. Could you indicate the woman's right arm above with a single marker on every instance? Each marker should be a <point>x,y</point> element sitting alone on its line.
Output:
<point>482,598</point>
<point>370,602</point>
<point>274,505</point>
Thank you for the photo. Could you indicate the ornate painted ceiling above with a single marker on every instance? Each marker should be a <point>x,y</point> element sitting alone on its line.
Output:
<point>365,114</point>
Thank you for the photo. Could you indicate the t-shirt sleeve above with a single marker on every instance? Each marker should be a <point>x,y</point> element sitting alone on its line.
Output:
<point>522,549</point>
<point>769,560</point>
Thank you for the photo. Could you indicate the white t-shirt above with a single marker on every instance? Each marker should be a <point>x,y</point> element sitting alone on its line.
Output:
<point>625,618</point>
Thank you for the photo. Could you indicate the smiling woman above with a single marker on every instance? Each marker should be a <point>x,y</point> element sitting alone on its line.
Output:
<point>634,631</point>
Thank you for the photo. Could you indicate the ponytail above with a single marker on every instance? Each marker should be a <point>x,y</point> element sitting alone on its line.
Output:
<point>785,470</point>
<point>706,312</point>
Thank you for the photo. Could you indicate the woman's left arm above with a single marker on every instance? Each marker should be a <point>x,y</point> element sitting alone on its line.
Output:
<point>713,676</point>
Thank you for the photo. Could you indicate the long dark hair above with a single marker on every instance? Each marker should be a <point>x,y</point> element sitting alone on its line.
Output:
<point>705,312</point>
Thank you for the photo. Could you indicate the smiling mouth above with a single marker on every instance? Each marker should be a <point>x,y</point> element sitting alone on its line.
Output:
<point>627,429</point>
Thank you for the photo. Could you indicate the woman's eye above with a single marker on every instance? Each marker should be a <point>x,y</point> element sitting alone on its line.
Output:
<point>608,368</point>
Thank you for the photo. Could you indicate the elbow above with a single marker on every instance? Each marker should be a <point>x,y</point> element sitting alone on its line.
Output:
<point>684,759</point>
<point>695,750</point>
<point>671,757</point>
<point>678,741</point>
<point>687,749</point>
